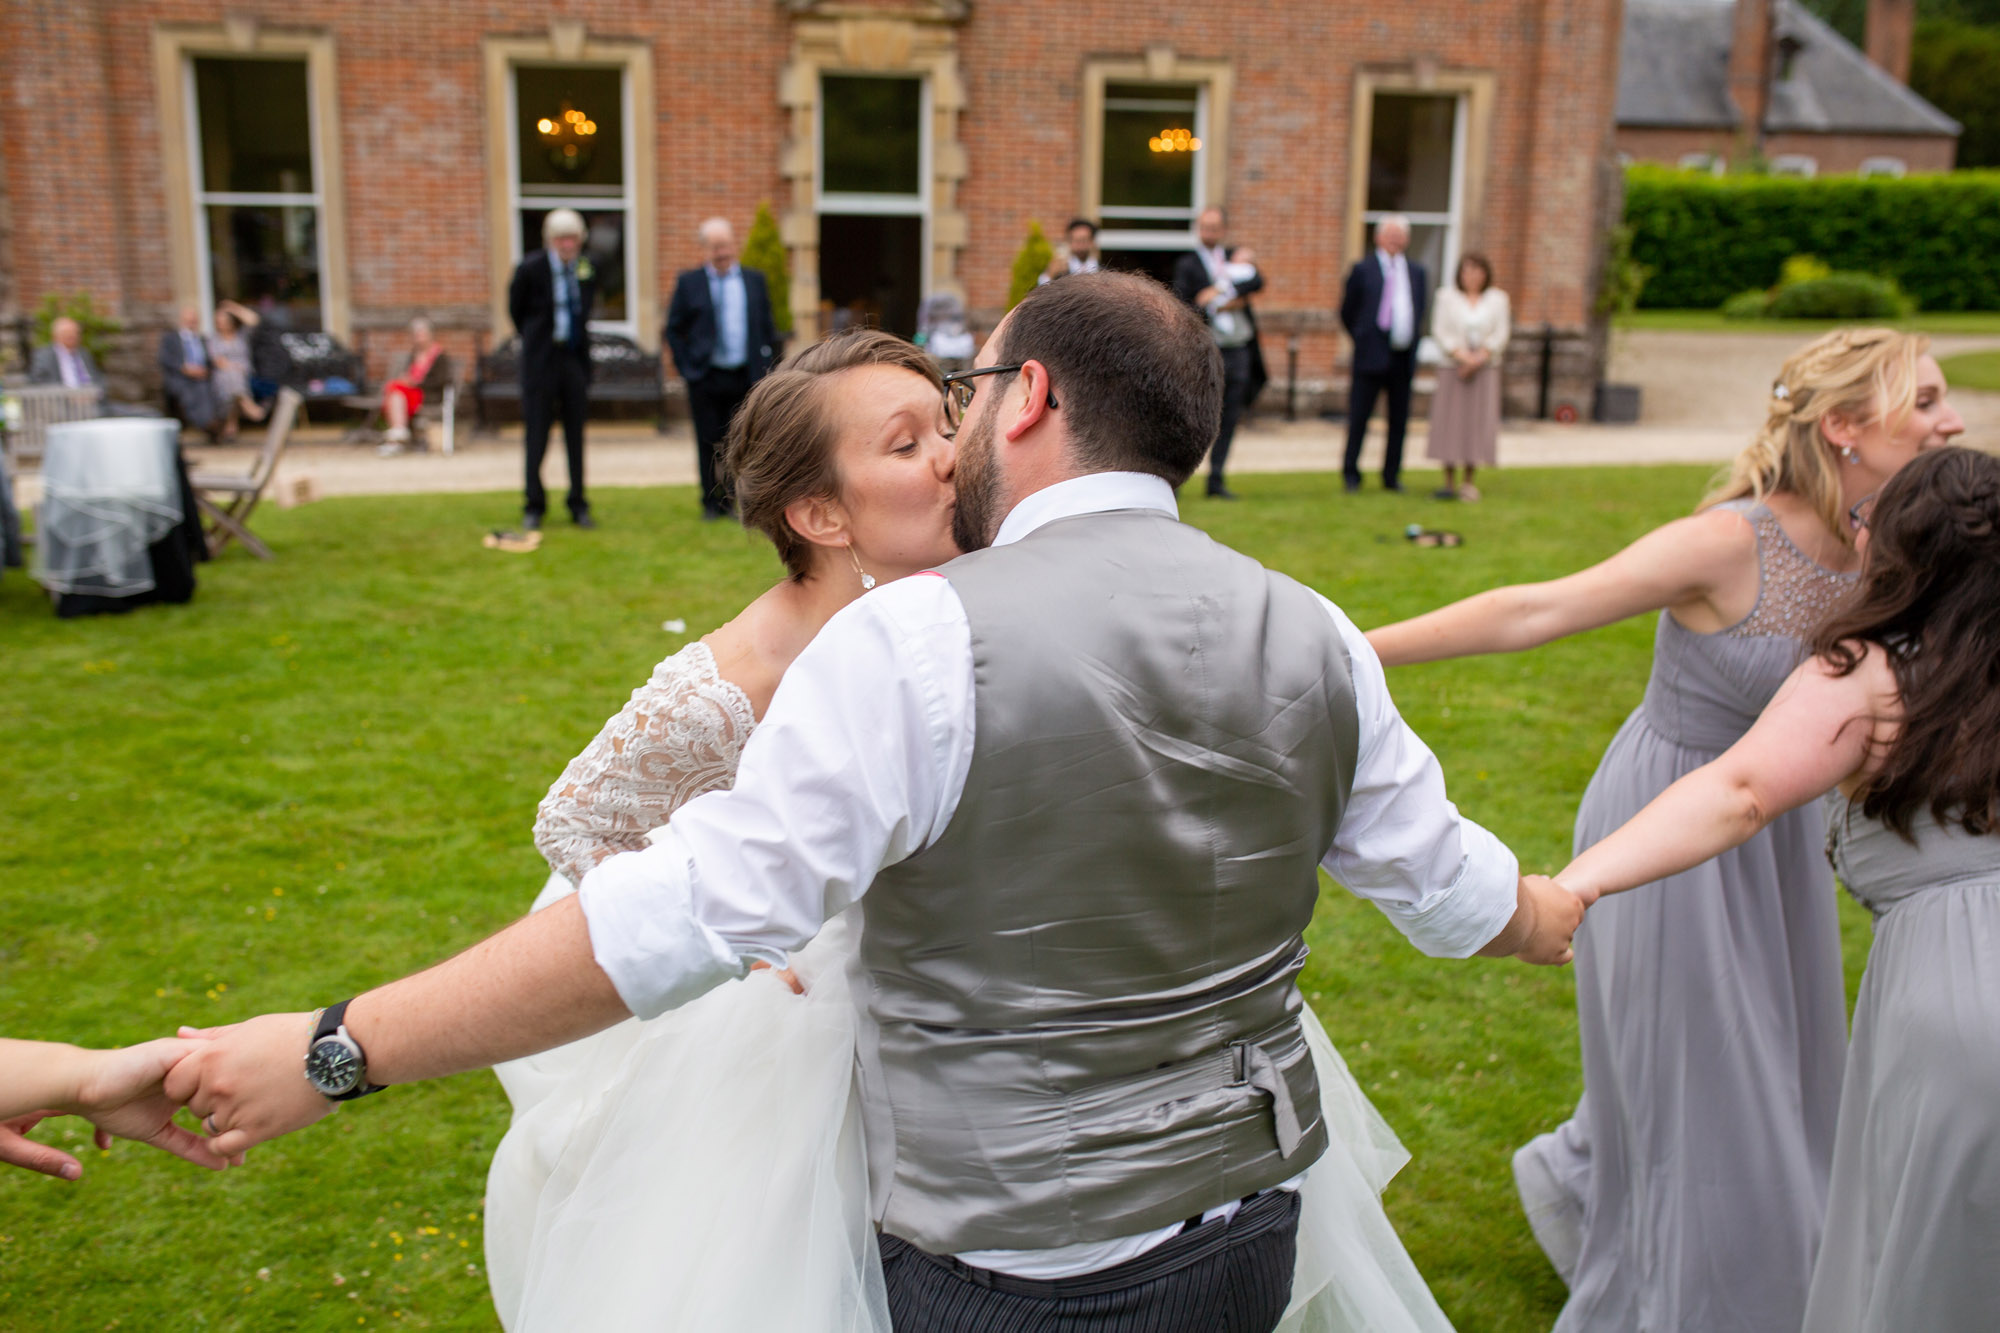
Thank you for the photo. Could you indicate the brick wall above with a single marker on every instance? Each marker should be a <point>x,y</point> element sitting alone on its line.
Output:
<point>414,125</point>
<point>1835,153</point>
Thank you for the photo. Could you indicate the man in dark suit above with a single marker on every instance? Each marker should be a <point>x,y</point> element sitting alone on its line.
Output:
<point>723,339</point>
<point>65,361</point>
<point>1201,279</point>
<point>185,368</point>
<point>1382,310</point>
<point>549,300</point>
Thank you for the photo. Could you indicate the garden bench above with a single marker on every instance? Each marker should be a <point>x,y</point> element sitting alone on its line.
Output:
<point>621,372</point>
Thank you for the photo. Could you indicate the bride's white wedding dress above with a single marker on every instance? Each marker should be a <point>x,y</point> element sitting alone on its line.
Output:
<point>704,1171</point>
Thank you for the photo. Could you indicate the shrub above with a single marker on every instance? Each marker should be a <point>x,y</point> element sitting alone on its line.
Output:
<point>1841,296</point>
<point>1029,264</point>
<point>764,250</point>
<point>96,327</point>
<point>1747,305</point>
<point>1707,238</point>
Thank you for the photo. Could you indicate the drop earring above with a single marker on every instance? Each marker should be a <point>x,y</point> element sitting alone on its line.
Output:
<point>867,579</point>
<point>1847,454</point>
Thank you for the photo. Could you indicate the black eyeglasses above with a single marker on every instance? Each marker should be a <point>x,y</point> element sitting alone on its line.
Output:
<point>1860,512</point>
<point>959,391</point>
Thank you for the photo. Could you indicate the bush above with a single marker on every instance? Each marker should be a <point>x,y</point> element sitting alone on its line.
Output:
<point>764,250</point>
<point>1957,67</point>
<point>1029,264</point>
<point>1707,238</point>
<point>1747,305</point>
<point>96,327</point>
<point>1841,296</point>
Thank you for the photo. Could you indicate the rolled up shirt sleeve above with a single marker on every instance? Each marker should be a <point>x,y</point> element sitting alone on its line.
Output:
<point>1447,883</point>
<point>858,763</point>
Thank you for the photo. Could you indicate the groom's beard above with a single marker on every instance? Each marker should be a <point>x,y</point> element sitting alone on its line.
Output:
<point>977,482</point>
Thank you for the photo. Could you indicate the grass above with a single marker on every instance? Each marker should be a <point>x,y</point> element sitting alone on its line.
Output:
<point>322,774</point>
<point>1973,370</point>
<point>1711,321</point>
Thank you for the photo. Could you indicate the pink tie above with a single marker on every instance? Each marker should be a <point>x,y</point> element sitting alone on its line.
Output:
<point>1385,318</point>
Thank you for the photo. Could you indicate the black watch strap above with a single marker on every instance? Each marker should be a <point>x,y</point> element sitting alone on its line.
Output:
<point>330,1020</point>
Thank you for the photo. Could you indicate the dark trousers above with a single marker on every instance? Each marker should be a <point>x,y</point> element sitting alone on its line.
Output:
<point>1361,395</point>
<point>1220,1277</point>
<point>1235,392</point>
<point>564,389</point>
<point>712,402</point>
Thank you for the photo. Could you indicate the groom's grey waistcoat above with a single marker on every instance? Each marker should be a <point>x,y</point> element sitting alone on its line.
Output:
<point>1079,1016</point>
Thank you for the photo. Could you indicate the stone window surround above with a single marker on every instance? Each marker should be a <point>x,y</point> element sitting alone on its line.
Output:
<point>173,45</point>
<point>1475,86</point>
<point>861,43</point>
<point>567,43</point>
<point>1159,64</point>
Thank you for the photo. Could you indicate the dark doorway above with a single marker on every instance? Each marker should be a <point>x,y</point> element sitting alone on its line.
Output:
<point>871,272</point>
<point>1153,263</point>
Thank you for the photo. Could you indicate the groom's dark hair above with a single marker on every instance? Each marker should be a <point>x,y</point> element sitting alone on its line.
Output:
<point>1134,368</point>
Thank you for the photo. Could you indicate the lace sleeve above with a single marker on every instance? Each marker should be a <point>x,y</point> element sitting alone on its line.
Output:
<point>681,735</point>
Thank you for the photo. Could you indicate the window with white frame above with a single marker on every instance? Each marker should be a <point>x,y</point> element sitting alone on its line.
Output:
<point>1797,165</point>
<point>874,210</point>
<point>1711,163</point>
<point>571,150</point>
<point>1416,167</point>
<point>1150,187</point>
<point>1884,166</point>
<point>257,202</point>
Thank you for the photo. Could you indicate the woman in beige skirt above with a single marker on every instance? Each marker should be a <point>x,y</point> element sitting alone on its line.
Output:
<point>1470,322</point>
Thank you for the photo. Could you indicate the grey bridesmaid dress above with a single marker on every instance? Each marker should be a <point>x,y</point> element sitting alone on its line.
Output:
<point>1913,1215</point>
<point>1711,1007</point>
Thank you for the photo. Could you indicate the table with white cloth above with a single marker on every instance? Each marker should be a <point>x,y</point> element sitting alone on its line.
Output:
<point>117,526</point>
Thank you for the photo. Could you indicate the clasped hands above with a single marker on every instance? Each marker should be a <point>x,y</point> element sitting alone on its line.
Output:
<point>1546,916</point>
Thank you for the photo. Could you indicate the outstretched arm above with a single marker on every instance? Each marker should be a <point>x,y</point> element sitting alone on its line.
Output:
<point>1819,730</point>
<point>118,1091</point>
<point>1688,562</point>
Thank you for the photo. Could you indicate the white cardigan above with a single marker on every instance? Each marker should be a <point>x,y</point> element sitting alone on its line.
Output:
<point>1460,324</point>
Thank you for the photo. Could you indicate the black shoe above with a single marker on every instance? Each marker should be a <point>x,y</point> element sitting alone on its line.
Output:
<point>1445,493</point>
<point>1352,485</point>
<point>1394,487</point>
<point>531,522</point>
<point>586,522</point>
<point>1222,493</point>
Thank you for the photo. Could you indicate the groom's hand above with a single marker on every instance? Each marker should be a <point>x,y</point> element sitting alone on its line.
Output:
<point>248,1081</point>
<point>1546,916</point>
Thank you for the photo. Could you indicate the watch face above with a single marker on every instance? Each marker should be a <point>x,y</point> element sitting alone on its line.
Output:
<point>333,1066</point>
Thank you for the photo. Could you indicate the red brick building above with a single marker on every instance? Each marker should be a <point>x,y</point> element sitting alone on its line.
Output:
<point>348,164</point>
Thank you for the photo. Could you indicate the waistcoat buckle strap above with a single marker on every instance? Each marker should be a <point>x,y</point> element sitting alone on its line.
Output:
<point>1252,1065</point>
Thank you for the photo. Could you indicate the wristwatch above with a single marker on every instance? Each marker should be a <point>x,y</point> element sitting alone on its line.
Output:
<point>336,1066</point>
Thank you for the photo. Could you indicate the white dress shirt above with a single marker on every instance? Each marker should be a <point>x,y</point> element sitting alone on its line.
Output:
<point>1402,306</point>
<point>861,759</point>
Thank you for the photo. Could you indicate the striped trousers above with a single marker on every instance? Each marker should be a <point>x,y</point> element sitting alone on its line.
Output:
<point>1231,1276</point>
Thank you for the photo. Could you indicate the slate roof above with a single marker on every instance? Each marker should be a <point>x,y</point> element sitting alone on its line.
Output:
<point>1674,72</point>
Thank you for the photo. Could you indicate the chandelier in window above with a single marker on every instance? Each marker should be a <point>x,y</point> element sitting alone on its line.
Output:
<point>567,137</point>
<point>1174,141</point>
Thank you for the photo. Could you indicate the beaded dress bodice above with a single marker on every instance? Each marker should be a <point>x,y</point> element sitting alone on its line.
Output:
<point>1706,689</point>
<point>681,734</point>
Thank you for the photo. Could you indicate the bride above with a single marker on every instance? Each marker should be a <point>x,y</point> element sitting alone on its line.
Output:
<point>704,1170</point>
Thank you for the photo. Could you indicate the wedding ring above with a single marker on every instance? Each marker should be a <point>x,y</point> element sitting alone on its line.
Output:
<point>208,1123</point>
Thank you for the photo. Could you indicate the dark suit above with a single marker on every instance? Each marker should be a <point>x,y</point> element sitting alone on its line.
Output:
<point>190,399</point>
<point>47,369</point>
<point>1378,367</point>
<point>555,377</point>
<point>1242,367</point>
<point>715,392</point>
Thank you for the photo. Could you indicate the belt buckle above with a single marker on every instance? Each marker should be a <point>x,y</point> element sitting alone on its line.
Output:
<point>1239,1063</point>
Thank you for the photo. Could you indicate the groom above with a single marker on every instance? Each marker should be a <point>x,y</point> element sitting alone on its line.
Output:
<point>1085,780</point>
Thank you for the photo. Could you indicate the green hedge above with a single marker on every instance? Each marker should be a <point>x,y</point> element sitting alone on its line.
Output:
<point>1707,238</point>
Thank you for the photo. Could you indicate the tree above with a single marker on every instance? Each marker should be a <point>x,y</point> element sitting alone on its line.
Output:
<point>764,250</point>
<point>1956,67</point>
<point>1029,264</point>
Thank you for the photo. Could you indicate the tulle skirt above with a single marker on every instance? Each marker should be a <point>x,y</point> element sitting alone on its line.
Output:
<point>704,1171</point>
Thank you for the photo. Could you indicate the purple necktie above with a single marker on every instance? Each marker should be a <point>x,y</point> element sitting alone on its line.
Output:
<point>1385,318</point>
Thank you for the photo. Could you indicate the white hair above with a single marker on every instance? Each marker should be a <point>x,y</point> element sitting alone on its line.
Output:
<point>564,222</point>
<point>710,226</point>
<point>1396,220</point>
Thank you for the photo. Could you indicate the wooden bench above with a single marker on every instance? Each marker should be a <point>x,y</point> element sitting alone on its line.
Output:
<point>42,406</point>
<point>621,373</point>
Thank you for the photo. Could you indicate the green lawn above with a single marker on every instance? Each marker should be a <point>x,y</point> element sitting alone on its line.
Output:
<point>323,774</point>
<point>1973,370</point>
<point>1711,321</point>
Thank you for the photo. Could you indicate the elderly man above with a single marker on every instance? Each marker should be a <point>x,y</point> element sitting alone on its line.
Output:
<point>186,370</point>
<point>1382,310</point>
<point>1201,278</point>
<point>549,301</point>
<point>723,338</point>
<point>66,361</point>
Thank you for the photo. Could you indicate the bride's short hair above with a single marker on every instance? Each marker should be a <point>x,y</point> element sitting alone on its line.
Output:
<point>781,445</point>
